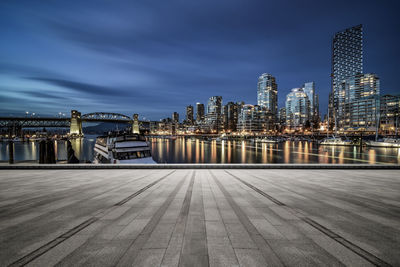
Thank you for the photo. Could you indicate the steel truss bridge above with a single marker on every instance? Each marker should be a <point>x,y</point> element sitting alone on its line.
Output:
<point>32,122</point>
<point>74,123</point>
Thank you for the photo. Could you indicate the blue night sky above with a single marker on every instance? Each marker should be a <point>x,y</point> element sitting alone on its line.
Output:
<point>156,57</point>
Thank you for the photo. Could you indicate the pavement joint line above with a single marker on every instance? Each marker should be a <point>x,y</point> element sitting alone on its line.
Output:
<point>254,234</point>
<point>198,166</point>
<point>356,202</point>
<point>341,240</point>
<point>3,213</point>
<point>142,189</point>
<point>224,222</point>
<point>53,243</point>
<point>145,234</point>
<point>184,213</point>
<point>189,236</point>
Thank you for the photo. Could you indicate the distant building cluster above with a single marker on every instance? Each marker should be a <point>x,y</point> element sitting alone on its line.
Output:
<point>355,104</point>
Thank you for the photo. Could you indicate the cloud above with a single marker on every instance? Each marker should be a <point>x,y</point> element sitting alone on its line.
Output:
<point>77,86</point>
<point>44,96</point>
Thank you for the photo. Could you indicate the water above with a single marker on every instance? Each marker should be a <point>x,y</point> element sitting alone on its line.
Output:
<point>29,151</point>
<point>186,150</point>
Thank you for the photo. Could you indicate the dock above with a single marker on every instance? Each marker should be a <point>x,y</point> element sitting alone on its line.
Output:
<point>199,217</point>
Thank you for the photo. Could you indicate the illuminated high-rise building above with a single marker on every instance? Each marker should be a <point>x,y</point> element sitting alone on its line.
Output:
<point>297,108</point>
<point>390,114</point>
<point>309,89</point>
<point>267,93</point>
<point>347,61</point>
<point>230,115</point>
<point>199,112</point>
<point>175,117</point>
<point>189,114</point>
<point>361,103</point>
<point>255,119</point>
<point>214,111</point>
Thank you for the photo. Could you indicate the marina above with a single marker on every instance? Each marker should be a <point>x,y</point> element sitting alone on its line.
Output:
<point>179,149</point>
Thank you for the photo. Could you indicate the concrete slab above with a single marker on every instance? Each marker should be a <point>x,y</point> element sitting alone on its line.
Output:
<point>200,217</point>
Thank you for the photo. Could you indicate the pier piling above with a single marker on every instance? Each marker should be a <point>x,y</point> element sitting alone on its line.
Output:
<point>10,152</point>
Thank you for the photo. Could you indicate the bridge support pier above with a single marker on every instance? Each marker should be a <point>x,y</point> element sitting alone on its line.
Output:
<point>76,124</point>
<point>135,124</point>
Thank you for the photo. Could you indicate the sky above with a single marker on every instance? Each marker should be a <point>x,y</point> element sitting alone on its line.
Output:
<point>156,57</point>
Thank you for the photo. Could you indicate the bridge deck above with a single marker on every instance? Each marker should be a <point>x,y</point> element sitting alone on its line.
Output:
<point>199,217</point>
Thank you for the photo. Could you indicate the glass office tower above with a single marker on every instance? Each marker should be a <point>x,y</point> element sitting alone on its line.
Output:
<point>214,111</point>
<point>309,89</point>
<point>267,93</point>
<point>199,112</point>
<point>189,114</point>
<point>230,115</point>
<point>347,61</point>
<point>361,103</point>
<point>175,117</point>
<point>297,108</point>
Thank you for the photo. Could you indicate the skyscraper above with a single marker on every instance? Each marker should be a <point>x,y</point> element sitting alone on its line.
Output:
<point>214,111</point>
<point>282,116</point>
<point>189,114</point>
<point>199,112</point>
<point>309,89</point>
<point>267,93</point>
<point>175,117</point>
<point>361,103</point>
<point>359,86</point>
<point>390,113</point>
<point>254,118</point>
<point>347,61</point>
<point>297,108</point>
<point>230,115</point>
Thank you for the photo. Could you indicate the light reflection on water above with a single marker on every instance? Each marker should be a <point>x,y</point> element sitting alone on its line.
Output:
<point>231,151</point>
<point>187,150</point>
<point>28,151</point>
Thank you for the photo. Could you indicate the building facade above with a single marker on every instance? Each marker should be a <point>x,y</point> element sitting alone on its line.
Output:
<point>389,113</point>
<point>361,115</point>
<point>267,93</point>
<point>230,116</point>
<point>347,61</point>
<point>297,109</point>
<point>189,115</point>
<point>255,119</point>
<point>309,89</point>
<point>175,117</point>
<point>214,111</point>
<point>282,116</point>
<point>199,112</point>
<point>361,103</point>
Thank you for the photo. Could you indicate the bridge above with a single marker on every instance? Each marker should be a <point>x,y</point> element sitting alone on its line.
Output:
<point>74,122</point>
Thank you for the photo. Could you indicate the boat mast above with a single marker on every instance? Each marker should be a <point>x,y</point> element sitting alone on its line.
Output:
<point>327,124</point>
<point>335,125</point>
<point>377,119</point>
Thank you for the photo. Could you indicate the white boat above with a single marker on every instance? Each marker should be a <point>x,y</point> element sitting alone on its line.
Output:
<point>335,141</point>
<point>267,140</point>
<point>122,148</point>
<point>386,142</point>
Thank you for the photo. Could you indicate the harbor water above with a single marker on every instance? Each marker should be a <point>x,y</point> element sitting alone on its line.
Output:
<point>193,150</point>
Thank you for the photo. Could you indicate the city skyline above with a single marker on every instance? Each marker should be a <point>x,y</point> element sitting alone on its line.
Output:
<point>57,83</point>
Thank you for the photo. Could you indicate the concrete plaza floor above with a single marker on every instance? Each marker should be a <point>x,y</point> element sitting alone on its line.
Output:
<point>200,217</point>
